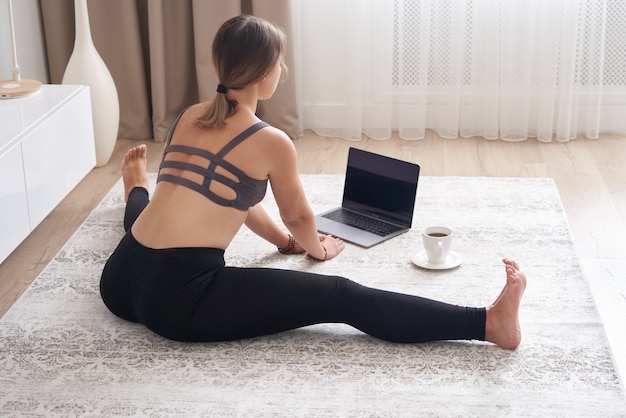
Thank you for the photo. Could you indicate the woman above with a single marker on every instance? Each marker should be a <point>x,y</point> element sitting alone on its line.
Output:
<point>168,272</point>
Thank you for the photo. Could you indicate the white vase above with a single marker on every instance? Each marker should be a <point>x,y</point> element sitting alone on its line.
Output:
<point>86,67</point>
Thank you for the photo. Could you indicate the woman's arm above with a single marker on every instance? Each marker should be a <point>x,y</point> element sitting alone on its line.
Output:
<point>295,211</point>
<point>259,222</point>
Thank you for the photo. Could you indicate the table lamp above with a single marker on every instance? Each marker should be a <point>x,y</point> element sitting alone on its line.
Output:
<point>16,87</point>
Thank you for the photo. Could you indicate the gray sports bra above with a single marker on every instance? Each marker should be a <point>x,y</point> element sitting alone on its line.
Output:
<point>249,191</point>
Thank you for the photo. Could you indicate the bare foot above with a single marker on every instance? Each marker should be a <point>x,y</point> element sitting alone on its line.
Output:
<point>134,169</point>
<point>502,327</point>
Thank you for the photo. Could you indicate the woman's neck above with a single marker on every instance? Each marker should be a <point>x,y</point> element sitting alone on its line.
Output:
<point>247,98</point>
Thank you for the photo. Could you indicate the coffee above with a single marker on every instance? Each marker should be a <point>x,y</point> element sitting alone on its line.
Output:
<point>437,241</point>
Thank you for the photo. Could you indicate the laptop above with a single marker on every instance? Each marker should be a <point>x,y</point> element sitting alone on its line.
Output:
<point>378,200</point>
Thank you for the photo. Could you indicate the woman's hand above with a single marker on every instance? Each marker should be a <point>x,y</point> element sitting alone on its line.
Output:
<point>332,245</point>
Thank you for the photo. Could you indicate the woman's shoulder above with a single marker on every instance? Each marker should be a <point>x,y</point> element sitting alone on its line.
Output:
<point>276,140</point>
<point>195,111</point>
<point>275,133</point>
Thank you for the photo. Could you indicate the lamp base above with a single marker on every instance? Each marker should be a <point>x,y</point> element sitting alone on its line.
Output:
<point>10,89</point>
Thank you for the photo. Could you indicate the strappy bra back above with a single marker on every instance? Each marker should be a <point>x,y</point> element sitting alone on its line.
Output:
<point>248,191</point>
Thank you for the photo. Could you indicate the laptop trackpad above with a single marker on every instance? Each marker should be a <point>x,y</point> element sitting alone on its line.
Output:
<point>346,232</point>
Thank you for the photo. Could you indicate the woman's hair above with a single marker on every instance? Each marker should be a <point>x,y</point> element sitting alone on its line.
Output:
<point>245,50</point>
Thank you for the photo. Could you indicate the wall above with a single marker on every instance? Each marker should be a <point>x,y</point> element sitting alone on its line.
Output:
<point>29,40</point>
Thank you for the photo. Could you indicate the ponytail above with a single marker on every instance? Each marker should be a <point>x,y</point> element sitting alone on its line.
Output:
<point>220,109</point>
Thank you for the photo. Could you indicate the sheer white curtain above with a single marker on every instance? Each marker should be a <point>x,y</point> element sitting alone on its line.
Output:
<point>509,69</point>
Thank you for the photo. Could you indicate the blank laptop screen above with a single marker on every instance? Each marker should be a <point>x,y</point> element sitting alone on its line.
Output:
<point>380,186</point>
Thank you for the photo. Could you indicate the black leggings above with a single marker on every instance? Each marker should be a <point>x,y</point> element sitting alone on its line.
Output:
<point>188,294</point>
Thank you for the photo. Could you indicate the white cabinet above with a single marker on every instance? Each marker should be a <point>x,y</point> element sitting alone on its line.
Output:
<point>14,222</point>
<point>46,148</point>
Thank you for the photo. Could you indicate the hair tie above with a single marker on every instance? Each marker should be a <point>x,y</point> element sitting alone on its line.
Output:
<point>221,89</point>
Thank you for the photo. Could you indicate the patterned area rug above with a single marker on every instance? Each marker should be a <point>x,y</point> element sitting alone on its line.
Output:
<point>63,354</point>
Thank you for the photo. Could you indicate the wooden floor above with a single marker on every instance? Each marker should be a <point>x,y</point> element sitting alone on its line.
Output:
<point>590,175</point>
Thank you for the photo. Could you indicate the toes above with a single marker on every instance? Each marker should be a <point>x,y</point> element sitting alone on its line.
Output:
<point>511,263</point>
<point>135,153</point>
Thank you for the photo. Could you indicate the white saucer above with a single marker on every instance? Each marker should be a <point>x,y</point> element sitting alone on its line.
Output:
<point>454,260</point>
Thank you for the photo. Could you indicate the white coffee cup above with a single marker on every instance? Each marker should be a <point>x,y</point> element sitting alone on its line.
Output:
<point>437,241</point>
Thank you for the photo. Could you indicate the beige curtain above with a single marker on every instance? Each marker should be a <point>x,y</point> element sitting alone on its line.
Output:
<point>159,54</point>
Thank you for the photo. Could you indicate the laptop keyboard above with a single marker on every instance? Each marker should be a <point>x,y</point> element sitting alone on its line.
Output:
<point>362,222</point>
